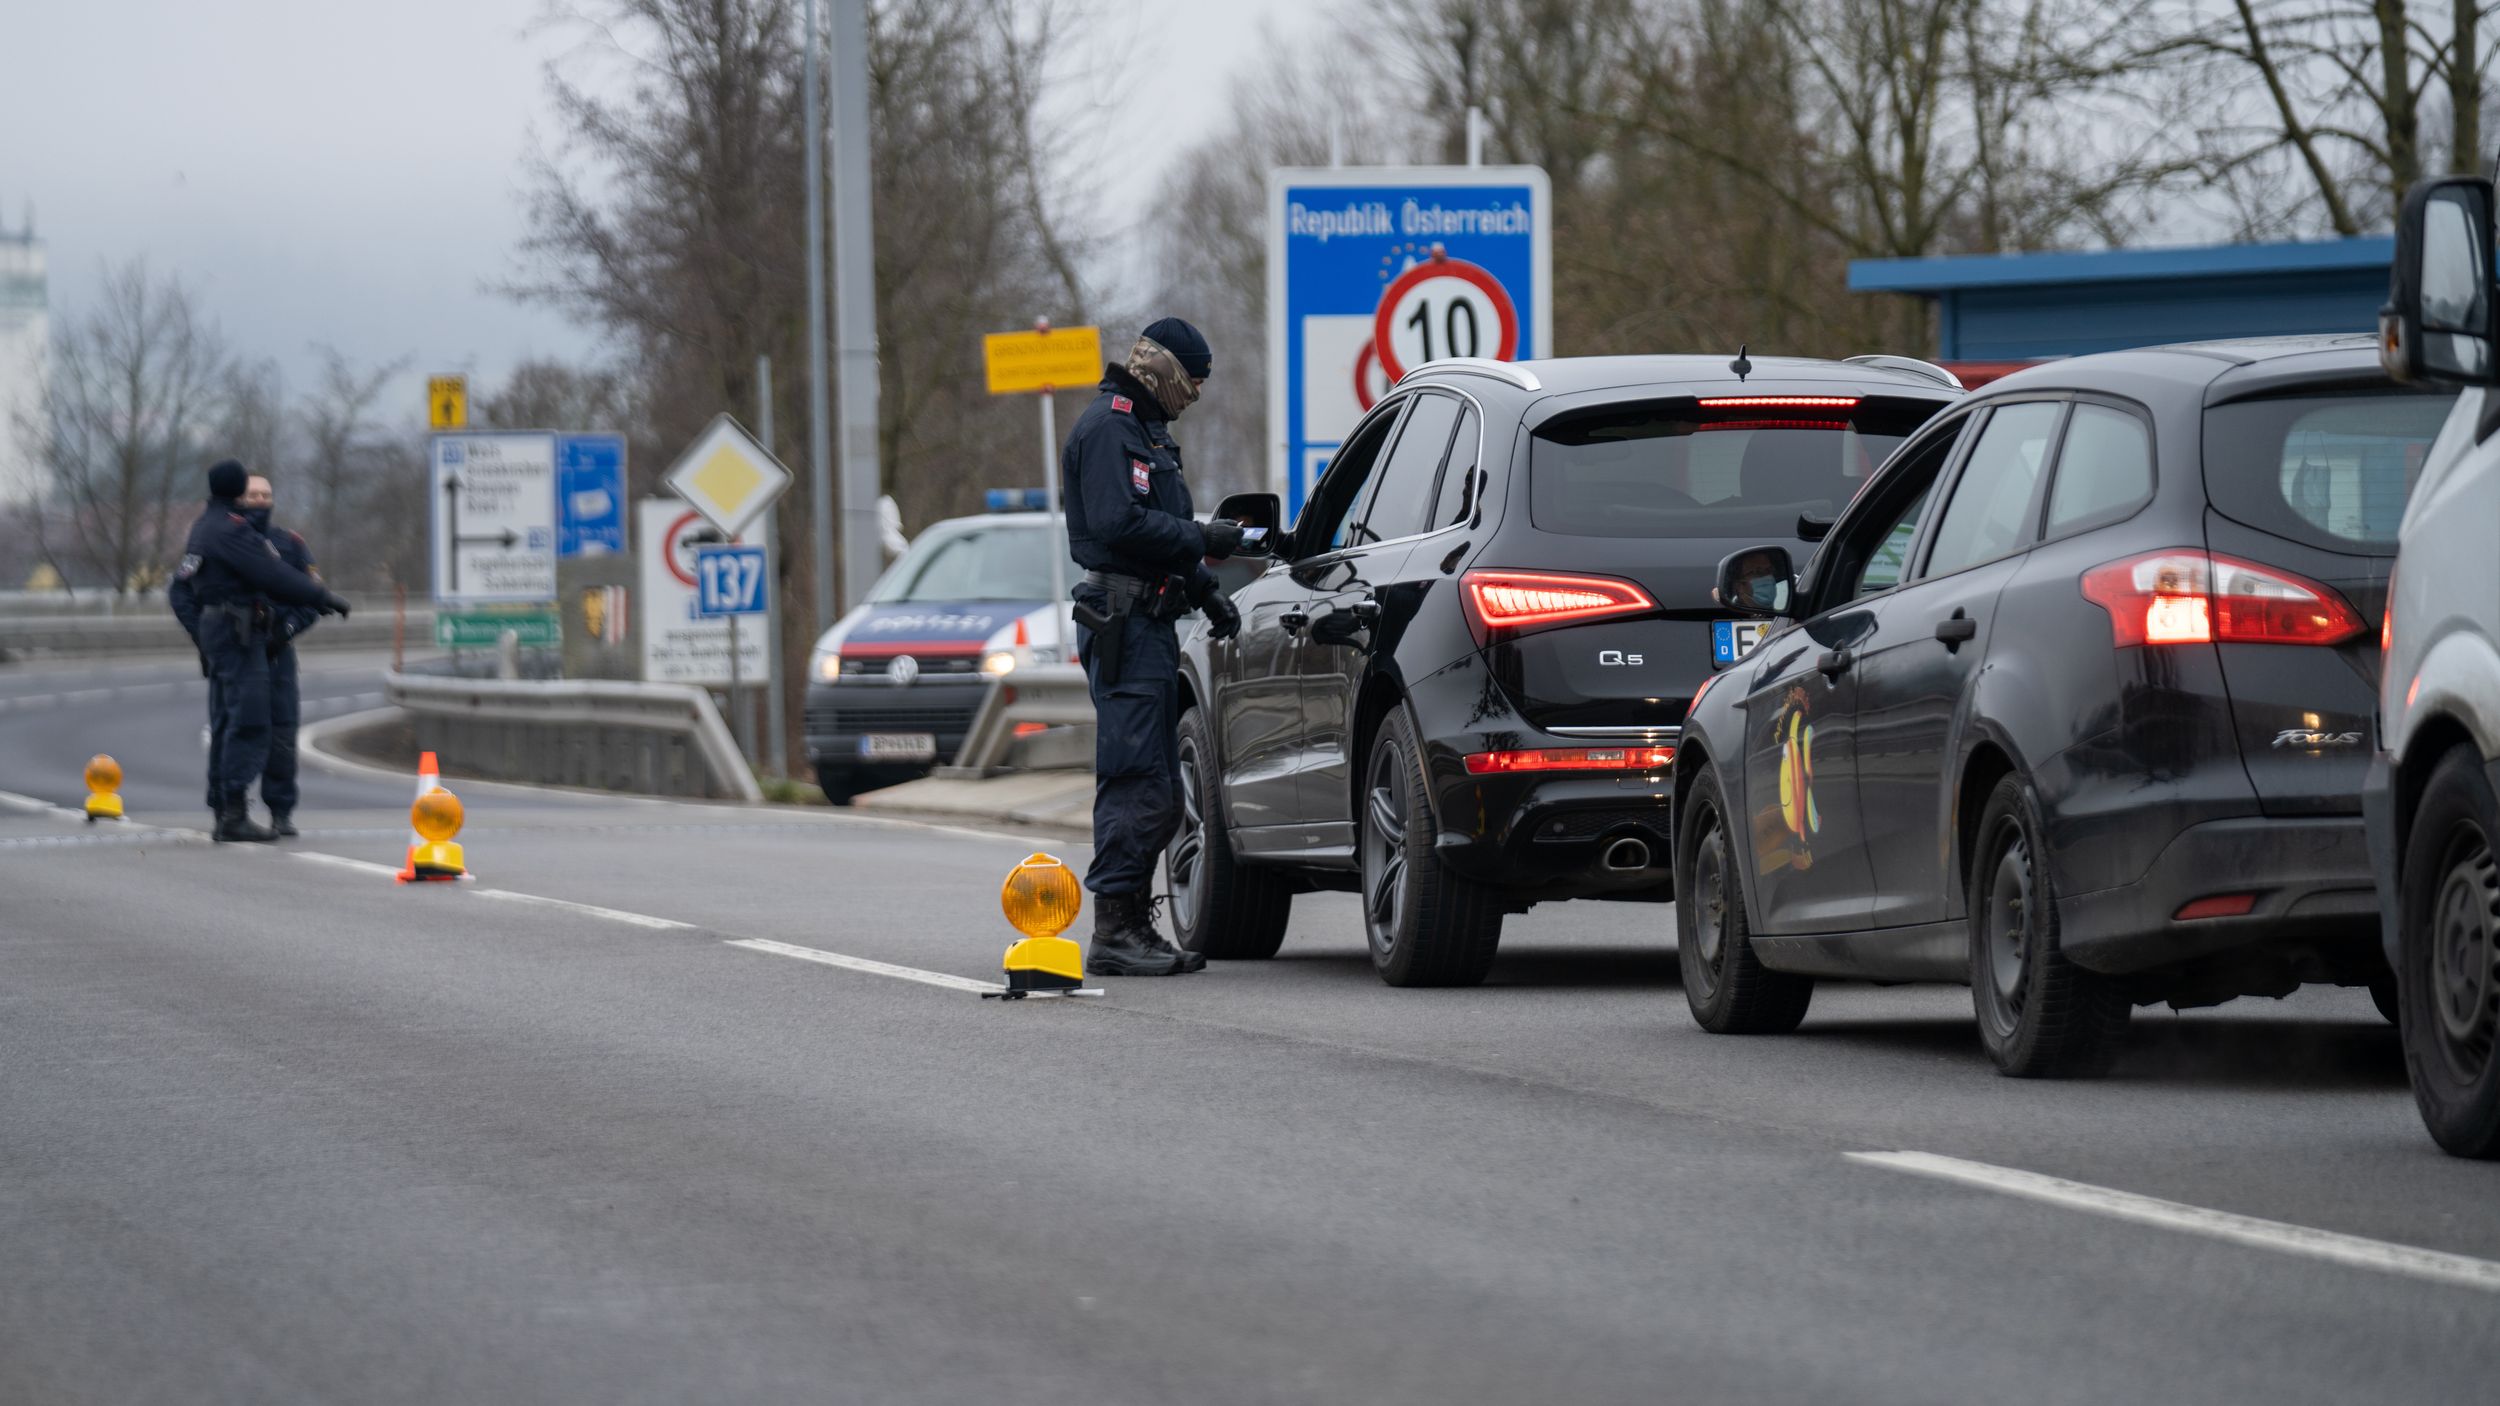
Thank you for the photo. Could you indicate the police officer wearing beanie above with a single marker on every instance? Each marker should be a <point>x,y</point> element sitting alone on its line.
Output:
<point>1130,526</point>
<point>229,592</point>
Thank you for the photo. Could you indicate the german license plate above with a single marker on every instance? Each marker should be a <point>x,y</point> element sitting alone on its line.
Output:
<point>1731,640</point>
<point>898,747</point>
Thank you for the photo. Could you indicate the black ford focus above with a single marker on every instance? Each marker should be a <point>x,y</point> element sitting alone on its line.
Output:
<point>2073,705</point>
<point>1461,676</point>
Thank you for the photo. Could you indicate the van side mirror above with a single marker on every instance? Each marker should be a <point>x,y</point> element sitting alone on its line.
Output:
<point>1758,581</point>
<point>1257,510</point>
<point>2437,324</point>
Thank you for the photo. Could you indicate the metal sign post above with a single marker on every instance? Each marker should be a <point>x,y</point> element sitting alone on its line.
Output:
<point>776,712</point>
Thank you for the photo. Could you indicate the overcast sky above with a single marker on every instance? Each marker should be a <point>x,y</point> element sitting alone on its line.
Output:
<point>328,171</point>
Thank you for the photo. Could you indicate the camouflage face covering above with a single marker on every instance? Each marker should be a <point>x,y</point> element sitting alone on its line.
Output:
<point>1159,371</point>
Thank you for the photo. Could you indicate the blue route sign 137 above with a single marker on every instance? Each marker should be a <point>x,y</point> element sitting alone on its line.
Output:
<point>729,580</point>
<point>1439,260</point>
<point>590,495</point>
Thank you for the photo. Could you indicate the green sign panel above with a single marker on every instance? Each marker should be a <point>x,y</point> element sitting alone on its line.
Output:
<point>483,629</point>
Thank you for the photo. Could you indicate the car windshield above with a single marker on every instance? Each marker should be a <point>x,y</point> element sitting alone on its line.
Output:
<point>1006,560</point>
<point>1666,469</point>
<point>2332,471</point>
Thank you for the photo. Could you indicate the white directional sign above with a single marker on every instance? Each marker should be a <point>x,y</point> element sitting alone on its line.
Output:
<point>727,476</point>
<point>680,645</point>
<point>493,504</point>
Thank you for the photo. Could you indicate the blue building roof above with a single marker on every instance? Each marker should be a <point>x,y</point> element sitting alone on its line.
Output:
<point>2023,306</point>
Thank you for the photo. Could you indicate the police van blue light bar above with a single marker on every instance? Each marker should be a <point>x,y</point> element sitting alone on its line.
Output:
<point>1019,500</point>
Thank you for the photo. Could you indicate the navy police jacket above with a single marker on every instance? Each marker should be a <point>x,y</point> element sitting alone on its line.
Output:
<point>227,561</point>
<point>293,620</point>
<point>1128,509</point>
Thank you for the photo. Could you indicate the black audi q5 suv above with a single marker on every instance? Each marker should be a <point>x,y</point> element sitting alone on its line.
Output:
<point>1461,676</point>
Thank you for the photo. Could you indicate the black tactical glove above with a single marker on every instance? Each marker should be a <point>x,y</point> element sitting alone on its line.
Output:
<point>1223,621</point>
<point>1223,537</point>
<point>336,605</point>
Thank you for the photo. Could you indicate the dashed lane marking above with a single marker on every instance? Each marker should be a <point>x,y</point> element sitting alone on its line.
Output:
<point>617,915</point>
<point>942,980</point>
<point>340,861</point>
<point>2461,1271</point>
<point>150,835</point>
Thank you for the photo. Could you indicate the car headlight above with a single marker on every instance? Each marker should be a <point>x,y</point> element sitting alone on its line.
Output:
<point>828,667</point>
<point>1001,662</point>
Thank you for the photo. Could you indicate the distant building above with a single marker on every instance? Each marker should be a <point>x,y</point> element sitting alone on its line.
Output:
<point>25,342</point>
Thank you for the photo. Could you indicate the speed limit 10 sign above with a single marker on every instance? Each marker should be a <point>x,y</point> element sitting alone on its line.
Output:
<point>1373,271</point>
<point>1444,307</point>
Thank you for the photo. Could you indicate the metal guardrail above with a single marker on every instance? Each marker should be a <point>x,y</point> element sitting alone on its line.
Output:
<point>654,738</point>
<point>1053,694</point>
<point>157,631</point>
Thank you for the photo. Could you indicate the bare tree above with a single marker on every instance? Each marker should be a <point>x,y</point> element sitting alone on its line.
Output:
<point>133,385</point>
<point>343,458</point>
<point>2335,99</point>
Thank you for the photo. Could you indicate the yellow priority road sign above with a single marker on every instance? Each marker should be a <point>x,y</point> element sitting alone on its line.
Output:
<point>447,402</point>
<point>1059,358</point>
<point>726,476</point>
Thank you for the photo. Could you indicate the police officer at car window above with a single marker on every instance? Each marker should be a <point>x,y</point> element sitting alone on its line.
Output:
<point>1130,527</point>
<point>229,592</point>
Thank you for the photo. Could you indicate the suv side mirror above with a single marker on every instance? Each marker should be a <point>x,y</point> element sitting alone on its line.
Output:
<point>1758,581</point>
<point>2437,324</point>
<point>1257,510</point>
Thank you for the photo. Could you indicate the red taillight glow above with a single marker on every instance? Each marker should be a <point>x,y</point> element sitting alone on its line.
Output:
<point>1511,599</point>
<point>2387,618</point>
<point>1571,759</point>
<point>2184,596</point>
<point>2221,905</point>
<point>1779,402</point>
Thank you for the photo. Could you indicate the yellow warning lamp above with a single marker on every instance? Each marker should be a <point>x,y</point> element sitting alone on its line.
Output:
<point>437,817</point>
<point>104,784</point>
<point>1041,900</point>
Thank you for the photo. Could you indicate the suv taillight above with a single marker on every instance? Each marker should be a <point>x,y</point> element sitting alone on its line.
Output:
<point>1517,600</point>
<point>2186,596</point>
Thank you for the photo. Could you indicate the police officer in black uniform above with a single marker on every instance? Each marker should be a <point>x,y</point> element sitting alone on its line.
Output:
<point>286,703</point>
<point>228,592</point>
<point>1130,527</point>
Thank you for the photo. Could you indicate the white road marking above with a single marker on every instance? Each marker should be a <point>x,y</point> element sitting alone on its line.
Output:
<point>2437,1266</point>
<point>340,861</point>
<point>618,915</point>
<point>942,980</point>
<point>40,806</point>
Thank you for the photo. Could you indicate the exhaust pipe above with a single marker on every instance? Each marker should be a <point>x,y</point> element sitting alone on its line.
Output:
<point>1627,855</point>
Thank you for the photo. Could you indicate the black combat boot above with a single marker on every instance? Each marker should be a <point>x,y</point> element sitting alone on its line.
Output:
<point>282,824</point>
<point>235,823</point>
<point>1126,943</point>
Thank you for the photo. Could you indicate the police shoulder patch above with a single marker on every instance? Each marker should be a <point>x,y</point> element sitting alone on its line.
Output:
<point>189,568</point>
<point>1123,404</point>
<point>1141,475</point>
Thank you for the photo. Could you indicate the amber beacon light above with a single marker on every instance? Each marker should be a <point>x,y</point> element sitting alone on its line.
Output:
<point>1041,899</point>
<point>104,785</point>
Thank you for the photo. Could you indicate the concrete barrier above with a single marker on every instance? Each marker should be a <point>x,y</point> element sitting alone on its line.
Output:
<point>1053,694</point>
<point>650,738</point>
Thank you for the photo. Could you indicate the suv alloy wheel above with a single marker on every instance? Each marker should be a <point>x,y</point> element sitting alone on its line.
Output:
<point>1220,907</point>
<point>1427,926</point>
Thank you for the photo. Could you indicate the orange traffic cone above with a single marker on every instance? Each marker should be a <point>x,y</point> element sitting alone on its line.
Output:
<point>429,780</point>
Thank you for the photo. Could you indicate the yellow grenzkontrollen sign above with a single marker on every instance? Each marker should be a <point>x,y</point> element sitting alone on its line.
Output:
<point>1063,358</point>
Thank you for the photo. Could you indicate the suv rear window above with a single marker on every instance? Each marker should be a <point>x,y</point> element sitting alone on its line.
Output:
<point>2331,471</point>
<point>1669,469</point>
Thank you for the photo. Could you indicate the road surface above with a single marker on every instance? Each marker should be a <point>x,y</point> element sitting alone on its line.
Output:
<point>273,1129</point>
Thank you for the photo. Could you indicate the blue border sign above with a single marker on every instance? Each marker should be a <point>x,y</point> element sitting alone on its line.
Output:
<point>590,495</point>
<point>1341,240</point>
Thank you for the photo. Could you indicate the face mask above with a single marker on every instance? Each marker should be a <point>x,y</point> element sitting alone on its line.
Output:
<point>258,518</point>
<point>1159,371</point>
